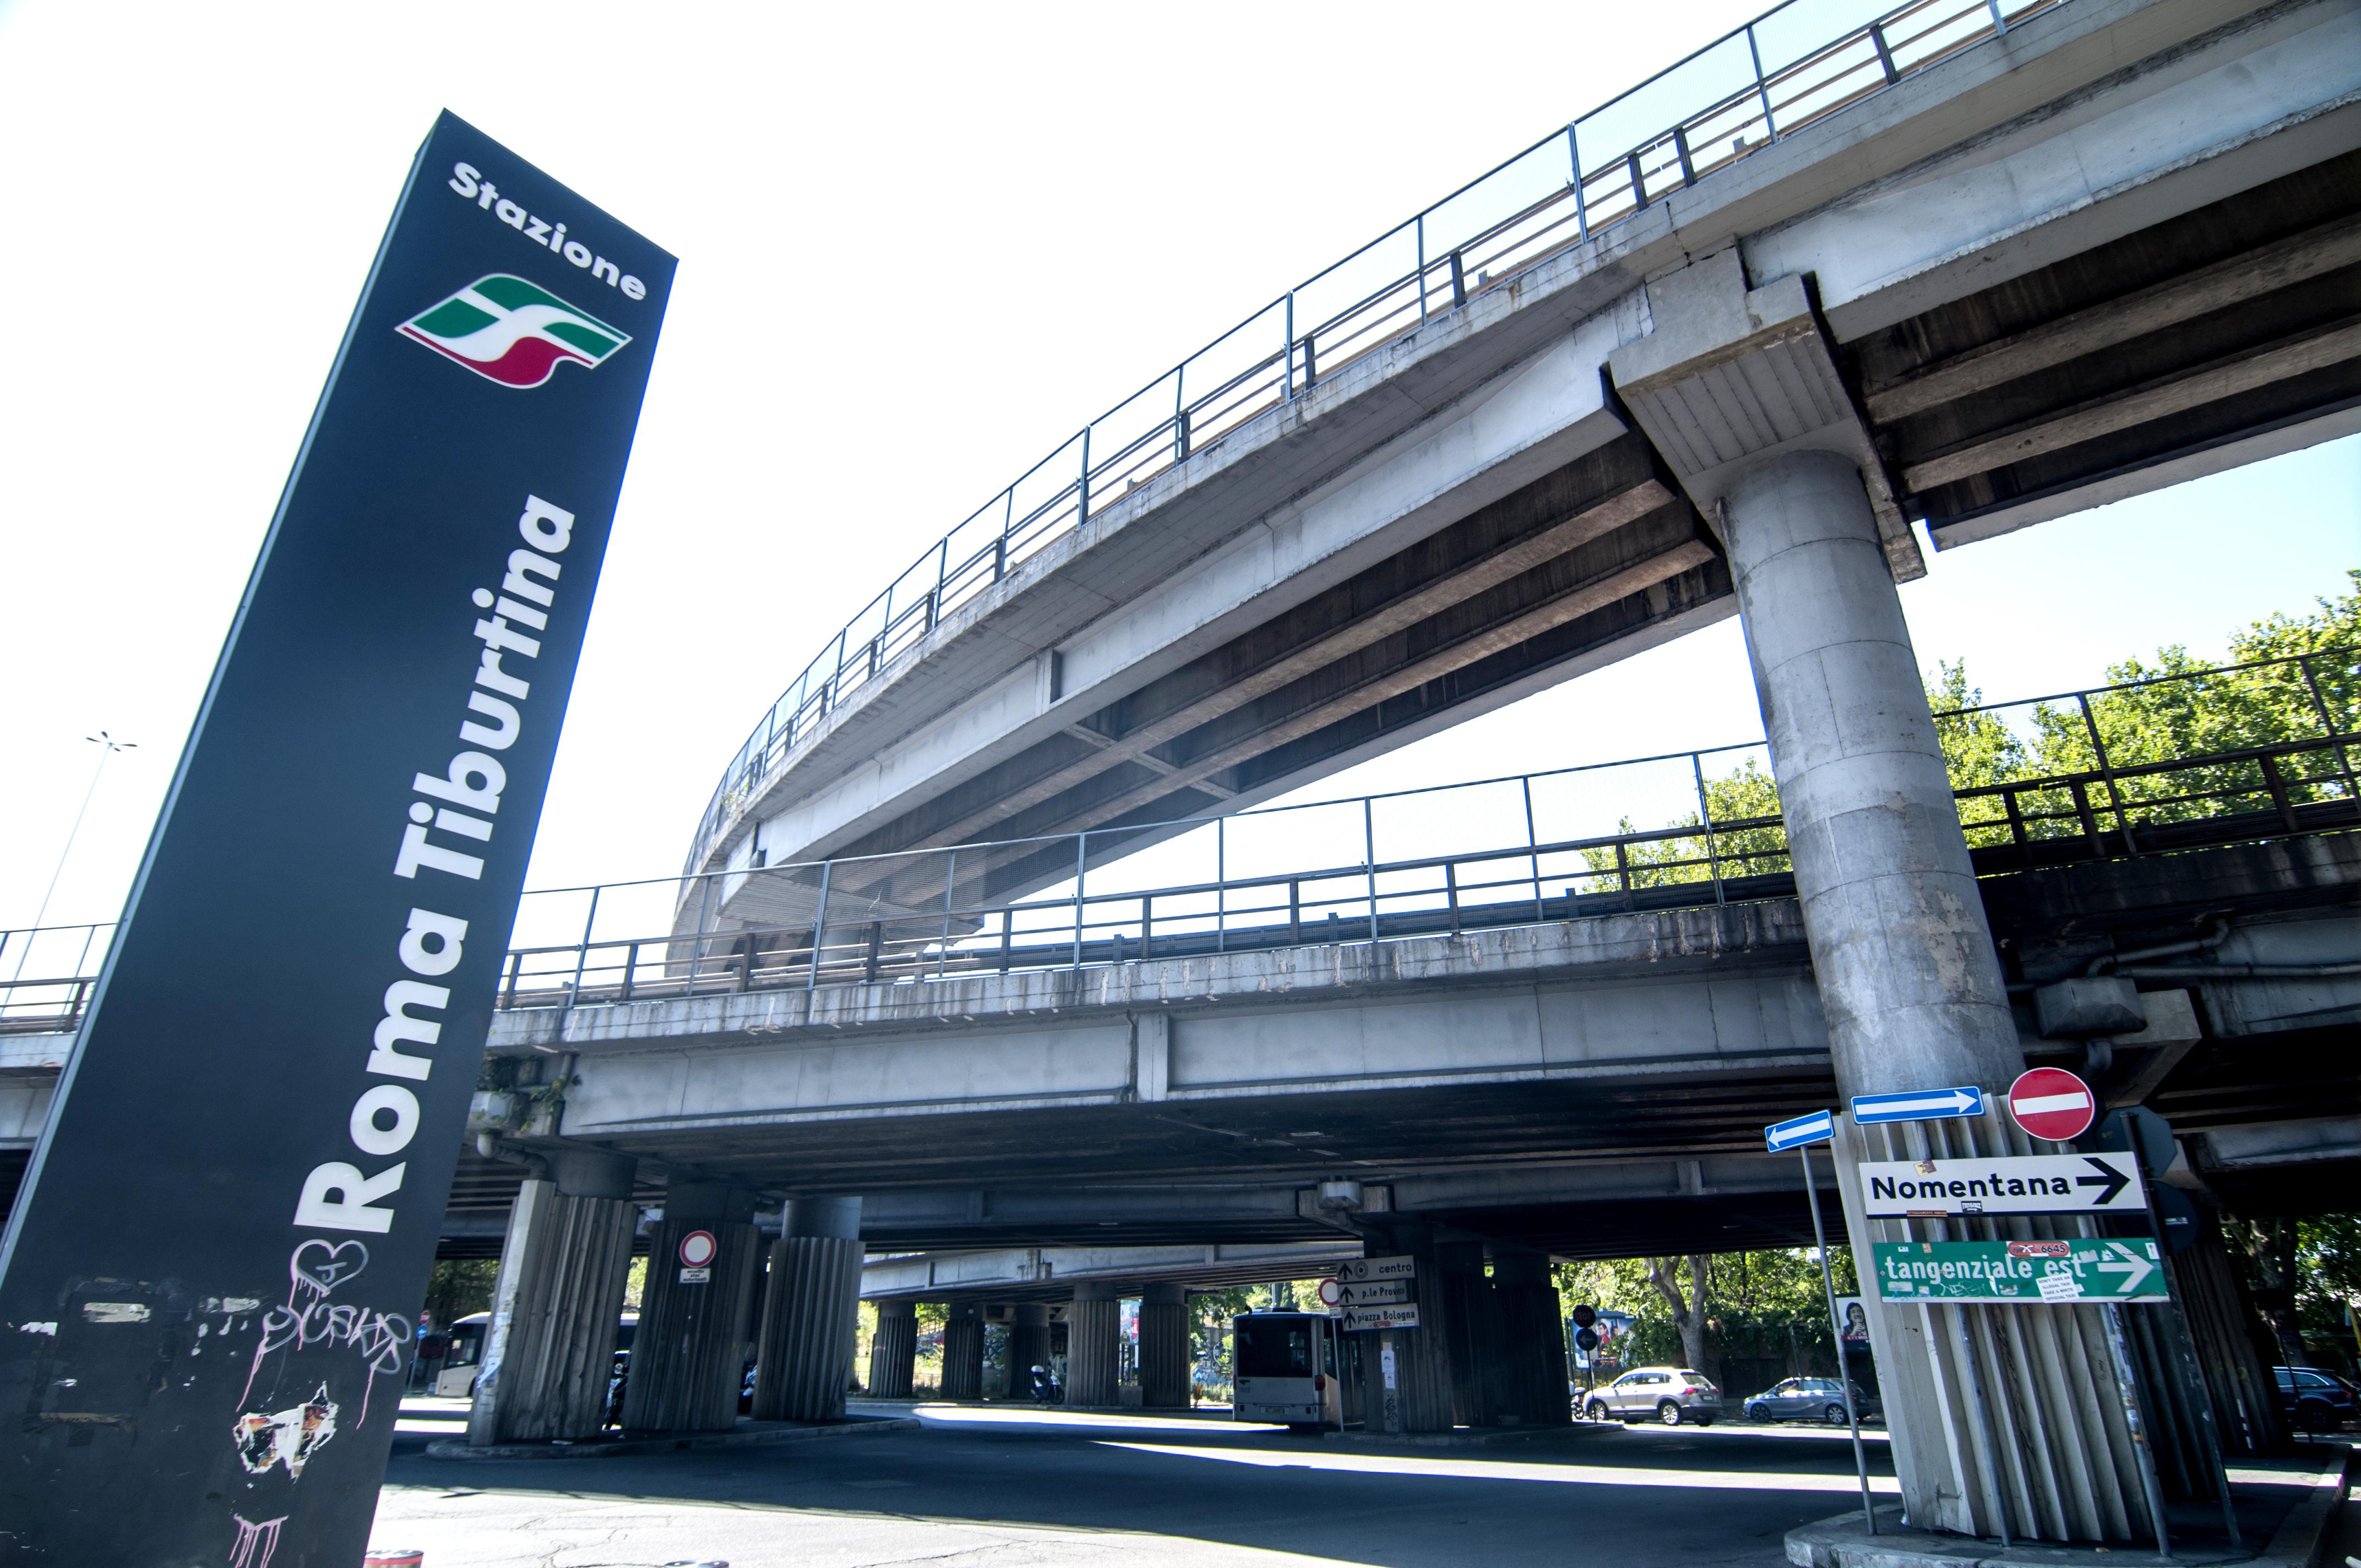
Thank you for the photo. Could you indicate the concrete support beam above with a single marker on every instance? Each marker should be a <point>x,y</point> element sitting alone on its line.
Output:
<point>1028,1345</point>
<point>1530,1374</point>
<point>1420,1396</point>
<point>964,1351</point>
<point>894,1351</point>
<point>1093,1345</point>
<point>1998,1421</point>
<point>550,1349</point>
<point>1164,1347</point>
<point>810,1312</point>
<point>688,1357</point>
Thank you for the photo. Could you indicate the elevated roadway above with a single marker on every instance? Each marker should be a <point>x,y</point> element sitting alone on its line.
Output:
<point>2011,277</point>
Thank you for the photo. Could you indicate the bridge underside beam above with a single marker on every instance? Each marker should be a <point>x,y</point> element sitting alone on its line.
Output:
<point>2185,343</point>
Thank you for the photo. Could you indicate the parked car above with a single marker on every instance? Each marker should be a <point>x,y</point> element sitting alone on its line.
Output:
<point>1806,1399</point>
<point>1669,1393</point>
<point>2313,1400</point>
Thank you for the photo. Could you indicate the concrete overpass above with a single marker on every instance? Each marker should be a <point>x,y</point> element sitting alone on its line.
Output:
<point>1940,273</point>
<point>2108,249</point>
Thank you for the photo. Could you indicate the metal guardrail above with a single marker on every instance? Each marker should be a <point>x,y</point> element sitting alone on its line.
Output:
<point>1757,85</point>
<point>929,916</point>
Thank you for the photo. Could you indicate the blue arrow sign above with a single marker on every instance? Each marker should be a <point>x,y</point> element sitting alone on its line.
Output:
<point>1817,1128</point>
<point>1917,1105</point>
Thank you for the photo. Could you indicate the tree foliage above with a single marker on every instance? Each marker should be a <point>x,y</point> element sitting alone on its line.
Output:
<point>2170,708</point>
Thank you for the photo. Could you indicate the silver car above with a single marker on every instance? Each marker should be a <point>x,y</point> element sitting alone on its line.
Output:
<point>1668,1394</point>
<point>1805,1400</point>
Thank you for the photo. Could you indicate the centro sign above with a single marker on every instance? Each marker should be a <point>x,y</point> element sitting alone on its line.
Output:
<point>212,1269</point>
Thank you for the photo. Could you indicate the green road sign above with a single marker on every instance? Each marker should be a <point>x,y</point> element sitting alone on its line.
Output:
<point>2030,1272</point>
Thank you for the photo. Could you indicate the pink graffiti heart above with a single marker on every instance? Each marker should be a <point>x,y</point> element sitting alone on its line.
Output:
<point>323,1267</point>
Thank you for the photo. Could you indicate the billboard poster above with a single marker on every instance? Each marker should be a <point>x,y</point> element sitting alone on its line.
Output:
<point>211,1281</point>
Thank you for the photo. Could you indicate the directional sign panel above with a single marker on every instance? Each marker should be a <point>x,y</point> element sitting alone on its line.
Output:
<point>2032,1273</point>
<point>1371,1292</point>
<point>1817,1128</point>
<point>1917,1105</point>
<point>1354,1268</point>
<point>1362,1318</point>
<point>2013,1184</point>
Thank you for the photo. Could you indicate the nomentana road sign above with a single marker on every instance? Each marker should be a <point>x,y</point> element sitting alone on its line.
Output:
<point>2009,1184</point>
<point>1372,1292</point>
<point>2031,1273</point>
<point>1817,1128</point>
<point>2050,1103</point>
<point>243,1184</point>
<point>696,1249</point>
<point>1359,1320</point>
<point>1354,1268</point>
<point>1917,1105</point>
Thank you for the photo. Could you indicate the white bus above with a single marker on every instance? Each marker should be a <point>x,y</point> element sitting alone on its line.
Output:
<point>1290,1368</point>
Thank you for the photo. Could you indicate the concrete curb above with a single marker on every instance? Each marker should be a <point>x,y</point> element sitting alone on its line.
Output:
<point>1842,1542</point>
<point>621,1448</point>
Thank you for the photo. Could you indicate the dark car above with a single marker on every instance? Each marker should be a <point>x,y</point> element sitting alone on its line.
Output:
<point>2313,1400</point>
<point>1806,1399</point>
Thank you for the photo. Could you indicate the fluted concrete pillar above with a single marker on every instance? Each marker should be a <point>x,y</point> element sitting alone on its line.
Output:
<point>1094,1347</point>
<point>1028,1345</point>
<point>894,1352</point>
<point>1530,1366</point>
<point>688,1358</point>
<point>2006,1415</point>
<point>1164,1347</point>
<point>1422,1396</point>
<point>964,1351</point>
<point>811,1309</point>
<point>549,1351</point>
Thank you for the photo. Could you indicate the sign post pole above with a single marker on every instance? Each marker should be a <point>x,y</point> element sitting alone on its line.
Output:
<point>1836,1329</point>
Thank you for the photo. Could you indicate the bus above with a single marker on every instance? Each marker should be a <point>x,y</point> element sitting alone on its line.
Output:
<point>1294,1369</point>
<point>463,1353</point>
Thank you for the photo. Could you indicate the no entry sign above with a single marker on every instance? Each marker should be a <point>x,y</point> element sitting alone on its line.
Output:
<point>2050,1103</point>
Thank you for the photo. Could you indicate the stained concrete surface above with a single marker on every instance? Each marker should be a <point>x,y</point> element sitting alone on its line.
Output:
<point>1020,1487</point>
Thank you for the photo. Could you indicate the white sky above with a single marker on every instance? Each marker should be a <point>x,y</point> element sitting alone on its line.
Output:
<point>920,246</point>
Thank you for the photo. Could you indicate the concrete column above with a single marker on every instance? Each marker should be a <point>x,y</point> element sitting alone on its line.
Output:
<point>1028,1345</point>
<point>893,1353</point>
<point>1903,957</point>
<point>1472,1328</point>
<point>2015,1411</point>
<point>549,1351</point>
<point>964,1351</point>
<point>811,1309</point>
<point>1532,1370</point>
<point>688,1359</point>
<point>1094,1347</point>
<point>1164,1347</point>
<point>1422,1399</point>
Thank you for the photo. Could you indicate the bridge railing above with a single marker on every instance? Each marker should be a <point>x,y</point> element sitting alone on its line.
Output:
<point>1790,66</point>
<point>2181,760</point>
<point>2178,759</point>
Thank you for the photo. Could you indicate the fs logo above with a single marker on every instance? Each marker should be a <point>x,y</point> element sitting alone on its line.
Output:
<point>513,331</point>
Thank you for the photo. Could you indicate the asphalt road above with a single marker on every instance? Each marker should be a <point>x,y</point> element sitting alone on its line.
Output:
<point>1008,1488</point>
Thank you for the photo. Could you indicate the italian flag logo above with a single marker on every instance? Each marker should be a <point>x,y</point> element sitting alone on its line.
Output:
<point>513,331</point>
